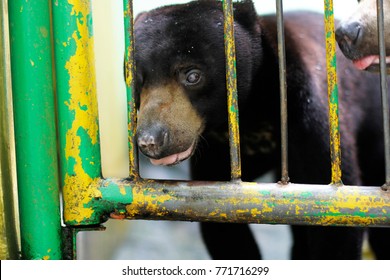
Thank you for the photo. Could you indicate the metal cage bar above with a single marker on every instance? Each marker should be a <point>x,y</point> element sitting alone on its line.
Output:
<point>9,248</point>
<point>130,79</point>
<point>384,89</point>
<point>239,202</point>
<point>35,130</point>
<point>77,104</point>
<point>331,62</point>
<point>283,92</point>
<point>231,86</point>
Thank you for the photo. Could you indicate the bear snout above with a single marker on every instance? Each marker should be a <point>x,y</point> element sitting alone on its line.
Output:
<point>348,36</point>
<point>153,140</point>
<point>349,32</point>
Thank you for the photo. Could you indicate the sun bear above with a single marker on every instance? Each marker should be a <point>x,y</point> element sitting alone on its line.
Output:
<point>357,36</point>
<point>181,96</point>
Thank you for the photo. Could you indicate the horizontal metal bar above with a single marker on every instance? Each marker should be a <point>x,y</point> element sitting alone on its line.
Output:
<point>239,202</point>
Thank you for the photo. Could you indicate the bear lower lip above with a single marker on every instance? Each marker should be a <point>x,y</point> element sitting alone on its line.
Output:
<point>175,158</point>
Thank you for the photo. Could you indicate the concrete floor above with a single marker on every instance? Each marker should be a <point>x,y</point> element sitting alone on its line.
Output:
<point>166,240</point>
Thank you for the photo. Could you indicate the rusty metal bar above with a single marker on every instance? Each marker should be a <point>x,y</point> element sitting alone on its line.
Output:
<point>283,91</point>
<point>239,202</point>
<point>70,239</point>
<point>231,84</point>
<point>384,89</point>
<point>331,62</point>
<point>130,79</point>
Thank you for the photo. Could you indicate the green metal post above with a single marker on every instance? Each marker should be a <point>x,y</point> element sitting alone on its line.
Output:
<point>77,105</point>
<point>35,132</point>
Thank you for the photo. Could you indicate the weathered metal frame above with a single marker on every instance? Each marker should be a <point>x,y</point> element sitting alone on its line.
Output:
<point>89,199</point>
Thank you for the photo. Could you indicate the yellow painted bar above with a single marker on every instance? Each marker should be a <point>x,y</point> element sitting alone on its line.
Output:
<point>130,82</point>
<point>332,93</point>
<point>238,202</point>
<point>77,105</point>
<point>231,85</point>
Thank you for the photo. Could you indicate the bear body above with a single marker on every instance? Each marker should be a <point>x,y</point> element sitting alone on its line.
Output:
<point>181,87</point>
<point>358,35</point>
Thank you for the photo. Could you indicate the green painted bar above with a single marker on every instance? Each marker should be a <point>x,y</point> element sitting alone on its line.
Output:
<point>130,81</point>
<point>35,132</point>
<point>77,102</point>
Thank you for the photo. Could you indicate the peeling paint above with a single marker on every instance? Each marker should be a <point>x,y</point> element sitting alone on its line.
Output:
<point>231,84</point>
<point>254,203</point>
<point>82,138</point>
<point>332,93</point>
<point>129,78</point>
<point>148,200</point>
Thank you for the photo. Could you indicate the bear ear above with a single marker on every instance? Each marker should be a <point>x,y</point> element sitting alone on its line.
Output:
<point>245,14</point>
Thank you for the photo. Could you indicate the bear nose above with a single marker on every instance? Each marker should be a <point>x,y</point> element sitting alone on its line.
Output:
<point>152,140</point>
<point>350,33</point>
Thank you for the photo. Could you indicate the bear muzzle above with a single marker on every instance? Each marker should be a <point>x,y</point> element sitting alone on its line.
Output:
<point>155,143</point>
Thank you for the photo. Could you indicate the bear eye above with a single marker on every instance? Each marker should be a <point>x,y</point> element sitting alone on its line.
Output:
<point>193,77</point>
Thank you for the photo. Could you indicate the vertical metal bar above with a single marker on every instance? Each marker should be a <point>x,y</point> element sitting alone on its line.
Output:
<point>35,131</point>
<point>231,83</point>
<point>8,220</point>
<point>283,91</point>
<point>331,61</point>
<point>384,89</point>
<point>77,106</point>
<point>130,79</point>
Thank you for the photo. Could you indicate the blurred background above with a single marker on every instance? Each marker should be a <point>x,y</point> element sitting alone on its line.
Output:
<point>157,239</point>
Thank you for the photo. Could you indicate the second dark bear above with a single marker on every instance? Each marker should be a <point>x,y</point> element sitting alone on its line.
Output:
<point>182,91</point>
